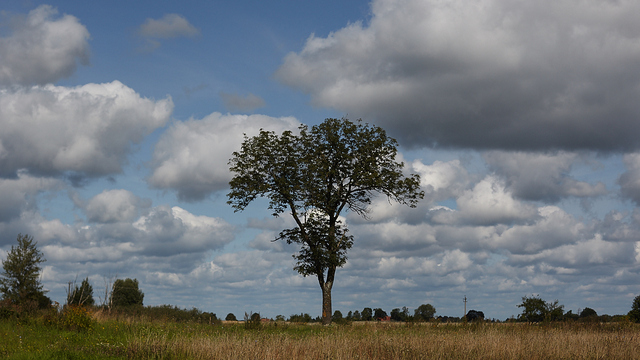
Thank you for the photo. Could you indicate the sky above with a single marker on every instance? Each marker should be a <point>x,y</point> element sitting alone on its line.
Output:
<point>522,118</point>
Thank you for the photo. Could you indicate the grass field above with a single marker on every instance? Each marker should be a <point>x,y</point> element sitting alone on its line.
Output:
<point>129,338</point>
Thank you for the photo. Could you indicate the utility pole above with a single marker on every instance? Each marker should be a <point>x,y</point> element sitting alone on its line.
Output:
<point>465,306</point>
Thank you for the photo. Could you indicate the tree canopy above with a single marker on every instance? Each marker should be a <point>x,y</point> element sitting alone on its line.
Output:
<point>534,309</point>
<point>126,293</point>
<point>424,312</point>
<point>82,295</point>
<point>19,281</point>
<point>316,175</point>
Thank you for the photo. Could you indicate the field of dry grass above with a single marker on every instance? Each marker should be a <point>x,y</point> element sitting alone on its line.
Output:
<point>380,341</point>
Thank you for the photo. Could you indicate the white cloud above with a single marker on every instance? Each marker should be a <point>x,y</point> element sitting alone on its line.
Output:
<point>630,180</point>
<point>484,74</point>
<point>86,130</point>
<point>42,48</point>
<point>192,156</point>
<point>19,195</point>
<point>537,176</point>
<point>554,228</point>
<point>114,206</point>
<point>168,27</point>
<point>490,203</point>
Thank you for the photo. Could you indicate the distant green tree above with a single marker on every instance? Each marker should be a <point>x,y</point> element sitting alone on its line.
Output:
<point>302,318</point>
<point>379,314</point>
<point>397,315</point>
<point>535,310</point>
<point>554,311</point>
<point>588,312</point>
<point>19,281</point>
<point>82,295</point>
<point>634,314</point>
<point>356,316</point>
<point>337,316</point>
<point>424,312</point>
<point>126,293</point>
<point>280,318</point>
<point>231,317</point>
<point>367,314</point>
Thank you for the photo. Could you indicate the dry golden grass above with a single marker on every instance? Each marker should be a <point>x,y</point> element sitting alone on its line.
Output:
<point>379,341</point>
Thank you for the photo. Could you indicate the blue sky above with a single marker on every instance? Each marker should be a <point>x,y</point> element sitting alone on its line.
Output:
<point>117,122</point>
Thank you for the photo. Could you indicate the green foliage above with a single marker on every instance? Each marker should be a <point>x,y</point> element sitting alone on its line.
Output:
<point>302,318</point>
<point>333,167</point>
<point>535,310</point>
<point>367,314</point>
<point>400,314</point>
<point>588,313</point>
<point>231,317</point>
<point>19,281</point>
<point>76,318</point>
<point>252,321</point>
<point>379,314</point>
<point>82,295</point>
<point>424,312</point>
<point>634,314</point>
<point>126,293</point>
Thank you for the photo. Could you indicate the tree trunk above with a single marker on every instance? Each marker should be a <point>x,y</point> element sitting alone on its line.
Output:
<point>326,303</point>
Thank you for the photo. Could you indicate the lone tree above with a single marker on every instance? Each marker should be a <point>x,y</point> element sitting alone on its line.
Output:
<point>424,312</point>
<point>125,293</point>
<point>535,310</point>
<point>19,281</point>
<point>317,175</point>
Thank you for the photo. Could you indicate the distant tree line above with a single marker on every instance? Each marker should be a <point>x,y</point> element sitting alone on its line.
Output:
<point>22,292</point>
<point>535,309</point>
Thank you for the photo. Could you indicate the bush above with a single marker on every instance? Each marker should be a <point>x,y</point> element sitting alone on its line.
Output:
<point>252,321</point>
<point>231,317</point>
<point>76,318</point>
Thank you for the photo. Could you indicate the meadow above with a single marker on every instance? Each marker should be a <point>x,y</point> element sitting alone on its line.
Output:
<point>97,335</point>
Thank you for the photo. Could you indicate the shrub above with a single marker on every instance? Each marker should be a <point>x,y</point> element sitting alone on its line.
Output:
<point>252,321</point>
<point>76,318</point>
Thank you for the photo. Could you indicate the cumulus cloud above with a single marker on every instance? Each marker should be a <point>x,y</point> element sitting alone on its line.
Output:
<point>489,74</point>
<point>19,195</point>
<point>442,180</point>
<point>537,176</point>
<point>235,102</point>
<point>115,206</point>
<point>489,203</point>
<point>42,48</point>
<point>84,131</point>
<point>629,181</point>
<point>191,157</point>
